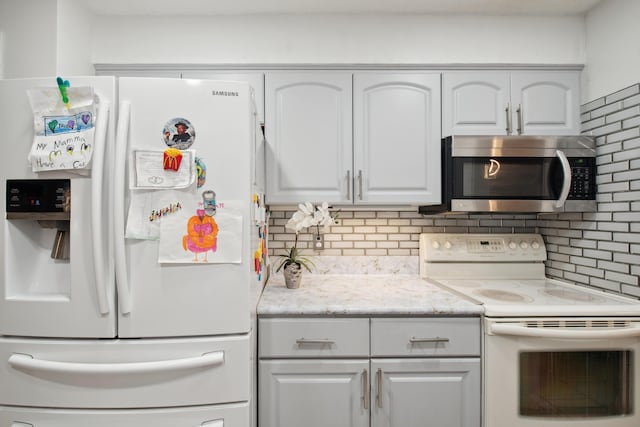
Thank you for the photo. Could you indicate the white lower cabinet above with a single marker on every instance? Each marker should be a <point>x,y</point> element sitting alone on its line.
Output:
<point>419,392</point>
<point>382,372</point>
<point>314,393</point>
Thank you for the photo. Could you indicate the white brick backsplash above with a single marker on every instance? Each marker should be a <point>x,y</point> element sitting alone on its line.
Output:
<point>614,244</point>
<point>623,93</point>
<point>623,114</point>
<point>388,233</point>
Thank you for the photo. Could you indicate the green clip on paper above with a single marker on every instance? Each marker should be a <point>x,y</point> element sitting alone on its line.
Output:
<point>62,87</point>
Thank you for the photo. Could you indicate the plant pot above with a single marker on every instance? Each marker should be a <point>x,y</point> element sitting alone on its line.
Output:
<point>292,276</point>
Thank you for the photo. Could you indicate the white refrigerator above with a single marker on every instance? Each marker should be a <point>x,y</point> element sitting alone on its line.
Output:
<point>128,288</point>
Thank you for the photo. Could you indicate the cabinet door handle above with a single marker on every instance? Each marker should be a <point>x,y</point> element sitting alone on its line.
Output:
<point>508,113</point>
<point>349,183</point>
<point>379,380</point>
<point>303,340</point>
<point>360,184</point>
<point>520,119</point>
<point>414,340</point>
<point>365,389</point>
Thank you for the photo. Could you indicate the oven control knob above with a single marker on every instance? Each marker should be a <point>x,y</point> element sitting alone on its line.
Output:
<point>535,245</point>
<point>524,245</point>
<point>447,244</point>
<point>435,244</point>
<point>512,245</point>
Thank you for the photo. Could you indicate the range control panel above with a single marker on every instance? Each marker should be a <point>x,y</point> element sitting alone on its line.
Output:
<point>450,247</point>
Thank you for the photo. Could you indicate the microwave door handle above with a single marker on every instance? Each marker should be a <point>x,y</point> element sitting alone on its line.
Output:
<point>566,183</point>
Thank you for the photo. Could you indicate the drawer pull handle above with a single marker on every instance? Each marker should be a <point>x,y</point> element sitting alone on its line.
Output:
<point>414,340</point>
<point>301,341</point>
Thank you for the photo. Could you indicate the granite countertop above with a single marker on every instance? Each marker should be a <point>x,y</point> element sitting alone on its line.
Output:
<point>362,295</point>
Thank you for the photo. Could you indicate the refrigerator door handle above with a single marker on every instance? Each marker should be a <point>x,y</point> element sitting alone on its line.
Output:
<point>122,133</point>
<point>97,219</point>
<point>25,362</point>
<point>214,423</point>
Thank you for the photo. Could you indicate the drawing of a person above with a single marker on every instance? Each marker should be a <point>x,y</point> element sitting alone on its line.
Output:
<point>202,235</point>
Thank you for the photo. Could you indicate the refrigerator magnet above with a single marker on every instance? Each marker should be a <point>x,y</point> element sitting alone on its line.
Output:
<point>201,170</point>
<point>179,133</point>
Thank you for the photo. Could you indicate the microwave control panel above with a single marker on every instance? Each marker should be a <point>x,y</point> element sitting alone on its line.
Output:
<point>583,178</point>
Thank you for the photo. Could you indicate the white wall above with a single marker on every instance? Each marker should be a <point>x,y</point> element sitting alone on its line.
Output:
<point>74,39</point>
<point>613,48</point>
<point>29,37</point>
<point>339,39</point>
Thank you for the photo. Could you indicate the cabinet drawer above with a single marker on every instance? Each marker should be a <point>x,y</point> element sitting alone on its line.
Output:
<point>313,337</point>
<point>425,337</point>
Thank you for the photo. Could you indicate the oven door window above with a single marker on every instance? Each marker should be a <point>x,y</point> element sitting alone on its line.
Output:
<point>538,178</point>
<point>576,384</point>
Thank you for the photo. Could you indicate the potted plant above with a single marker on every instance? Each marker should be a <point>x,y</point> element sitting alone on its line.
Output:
<point>292,263</point>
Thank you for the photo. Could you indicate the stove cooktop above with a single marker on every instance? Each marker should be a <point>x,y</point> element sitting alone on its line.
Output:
<point>540,297</point>
<point>506,274</point>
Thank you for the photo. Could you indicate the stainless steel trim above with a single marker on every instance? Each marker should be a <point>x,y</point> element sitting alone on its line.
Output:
<point>360,184</point>
<point>522,146</point>
<point>349,183</point>
<point>508,112</point>
<point>379,393</point>
<point>414,340</point>
<point>365,389</point>
<point>520,119</point>
<point>513,205</point>
<point>301,341</point>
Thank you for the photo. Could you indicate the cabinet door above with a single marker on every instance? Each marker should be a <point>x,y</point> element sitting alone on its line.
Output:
<point>546,103</point>
<point>308,132</point>
<point>475,103</point>
<point>396,138</point>
<point>313,393</point>
<point>419,392</point>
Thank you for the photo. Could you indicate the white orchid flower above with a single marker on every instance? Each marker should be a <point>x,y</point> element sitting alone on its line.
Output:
<point>323,217</point>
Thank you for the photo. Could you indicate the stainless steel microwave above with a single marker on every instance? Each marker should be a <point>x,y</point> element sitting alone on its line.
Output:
<point>517,174</point>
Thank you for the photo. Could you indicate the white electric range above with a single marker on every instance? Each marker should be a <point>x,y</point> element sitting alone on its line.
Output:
<point>554,354</point>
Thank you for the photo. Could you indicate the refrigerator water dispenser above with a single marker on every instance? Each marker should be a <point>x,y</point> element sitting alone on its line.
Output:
<point>38,213</point>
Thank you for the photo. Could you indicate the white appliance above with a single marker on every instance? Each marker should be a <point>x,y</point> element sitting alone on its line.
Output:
<point>111,336</point>
<point>554,354</point>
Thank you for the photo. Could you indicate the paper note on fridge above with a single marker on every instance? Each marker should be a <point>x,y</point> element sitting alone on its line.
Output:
<point>193,235</point>
<point>62,151</point>
<point>150,171</point>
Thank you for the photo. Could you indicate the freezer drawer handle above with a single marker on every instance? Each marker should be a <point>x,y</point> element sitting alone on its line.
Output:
<point>213,423</point>
<point>19,424</point>
<point>26,362</point>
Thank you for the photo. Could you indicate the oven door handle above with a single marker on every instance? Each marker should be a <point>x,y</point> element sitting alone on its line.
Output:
<point>568,333</point>
<point>566,183</point>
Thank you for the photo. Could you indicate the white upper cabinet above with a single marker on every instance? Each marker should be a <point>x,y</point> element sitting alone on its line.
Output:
<point>396,138</point>
<point>308,132</point>
<point>511,103</point>
<point>391,158</point>
<point>546,103</point>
